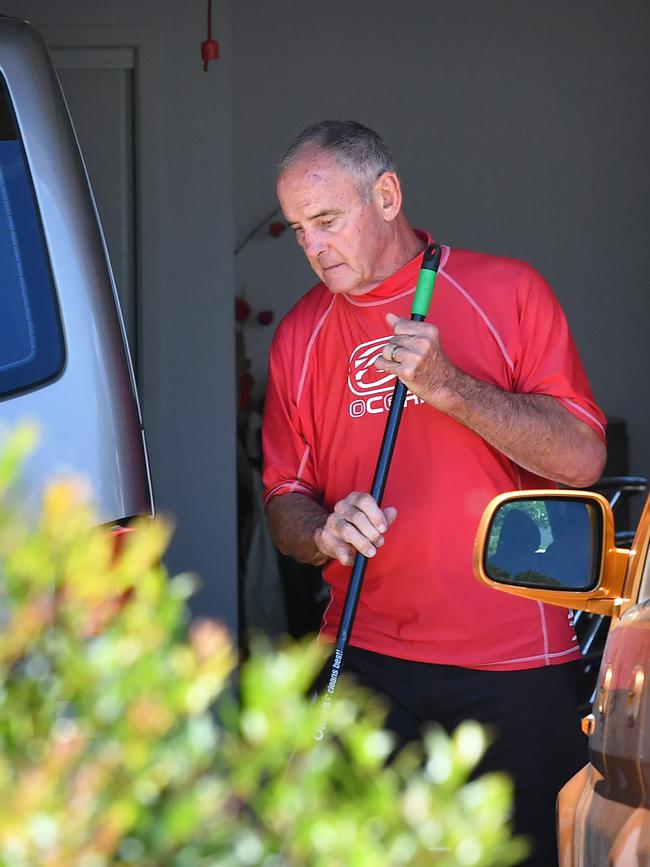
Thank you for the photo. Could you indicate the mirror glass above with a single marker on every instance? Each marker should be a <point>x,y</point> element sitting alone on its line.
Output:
<point>551,542</point>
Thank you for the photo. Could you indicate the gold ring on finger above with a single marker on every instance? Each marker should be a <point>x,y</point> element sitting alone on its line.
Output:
<point>393,351</point>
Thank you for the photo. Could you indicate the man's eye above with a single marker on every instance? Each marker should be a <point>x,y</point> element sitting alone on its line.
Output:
<point>327,223</point>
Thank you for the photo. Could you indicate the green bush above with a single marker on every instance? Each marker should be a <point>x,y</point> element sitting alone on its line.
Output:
<point>121,742</point>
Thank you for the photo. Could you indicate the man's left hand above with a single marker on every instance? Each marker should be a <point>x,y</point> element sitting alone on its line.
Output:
<point>415,355</point>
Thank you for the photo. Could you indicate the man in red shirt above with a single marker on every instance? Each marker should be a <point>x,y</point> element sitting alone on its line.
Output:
<point>498,400</point>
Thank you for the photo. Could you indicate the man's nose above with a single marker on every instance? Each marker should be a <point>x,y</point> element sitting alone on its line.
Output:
<point>313,243</point>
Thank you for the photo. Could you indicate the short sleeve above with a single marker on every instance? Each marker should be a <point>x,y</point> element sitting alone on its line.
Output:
<point>547,361</point>
<point>288,465</point>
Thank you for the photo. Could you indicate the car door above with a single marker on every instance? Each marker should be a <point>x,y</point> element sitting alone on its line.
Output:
<point>603,816</point>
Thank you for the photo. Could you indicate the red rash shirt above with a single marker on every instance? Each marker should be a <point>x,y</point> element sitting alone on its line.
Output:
<point>324,420</point>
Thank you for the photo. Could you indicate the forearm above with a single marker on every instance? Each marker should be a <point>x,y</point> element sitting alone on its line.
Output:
<point>533,430</point>
<point>293,519</point>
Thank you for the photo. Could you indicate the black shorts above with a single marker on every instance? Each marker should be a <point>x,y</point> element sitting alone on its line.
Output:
<point>532,717</point>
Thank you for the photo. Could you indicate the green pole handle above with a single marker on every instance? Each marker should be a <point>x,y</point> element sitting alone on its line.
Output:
<point>426,281</point>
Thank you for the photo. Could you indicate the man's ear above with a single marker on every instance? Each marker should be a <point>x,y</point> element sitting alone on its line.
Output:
<point>387,195</point>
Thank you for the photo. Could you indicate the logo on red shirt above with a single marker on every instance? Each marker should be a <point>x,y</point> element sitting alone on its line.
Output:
<point>363,377</point>
<point>375,387</point>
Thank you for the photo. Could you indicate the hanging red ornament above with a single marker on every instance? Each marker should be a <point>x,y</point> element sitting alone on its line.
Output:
<point>265,317</point>
<point>210,47</point>
<point>242,309</point>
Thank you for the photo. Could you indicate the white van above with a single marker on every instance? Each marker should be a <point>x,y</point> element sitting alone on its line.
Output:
<point>64,360</point>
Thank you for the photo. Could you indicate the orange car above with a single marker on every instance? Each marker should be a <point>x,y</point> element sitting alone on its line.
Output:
<point>575,562</point>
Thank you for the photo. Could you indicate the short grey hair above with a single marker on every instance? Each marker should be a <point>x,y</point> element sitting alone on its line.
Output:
<point>356,148</point>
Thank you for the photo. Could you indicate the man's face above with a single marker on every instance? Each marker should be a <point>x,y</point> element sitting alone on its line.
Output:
<point>343,237</point>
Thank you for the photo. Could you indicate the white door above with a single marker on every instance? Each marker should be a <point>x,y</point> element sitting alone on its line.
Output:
<point>93,77</point>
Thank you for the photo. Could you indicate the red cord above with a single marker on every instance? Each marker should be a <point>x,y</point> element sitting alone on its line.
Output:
<point>209,48</point>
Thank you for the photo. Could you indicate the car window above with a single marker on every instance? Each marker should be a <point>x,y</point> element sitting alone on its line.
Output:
<point>31,340</point>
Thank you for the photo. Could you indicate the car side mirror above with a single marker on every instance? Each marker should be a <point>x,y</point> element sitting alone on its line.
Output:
<point>554,546</point>
<point>538,543</point>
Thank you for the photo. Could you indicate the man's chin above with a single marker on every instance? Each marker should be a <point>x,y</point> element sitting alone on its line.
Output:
<point>339,279</point>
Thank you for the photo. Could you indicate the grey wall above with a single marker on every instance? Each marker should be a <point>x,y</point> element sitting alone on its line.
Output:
<point>185,265</point>
<point>520,128</point>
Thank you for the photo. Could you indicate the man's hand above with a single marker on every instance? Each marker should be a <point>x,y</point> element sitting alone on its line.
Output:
<point>306,531</point>
<point>356,524</point>
<point>415,355</point>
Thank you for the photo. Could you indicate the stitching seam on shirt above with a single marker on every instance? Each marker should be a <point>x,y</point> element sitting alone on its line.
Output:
<point>382,300</point>
<point>583,411</point>
<point>483,316</point>
<point>542,615</point>
<point>291,486</point>
<point>324,618</point>
<point>303,372</point>
<point>545,656</point>
<point>301,468</point>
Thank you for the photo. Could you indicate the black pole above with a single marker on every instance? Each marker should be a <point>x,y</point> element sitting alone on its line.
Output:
<point>419,310</point>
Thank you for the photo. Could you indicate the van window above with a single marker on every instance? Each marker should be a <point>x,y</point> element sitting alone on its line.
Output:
<point>31,340</point>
